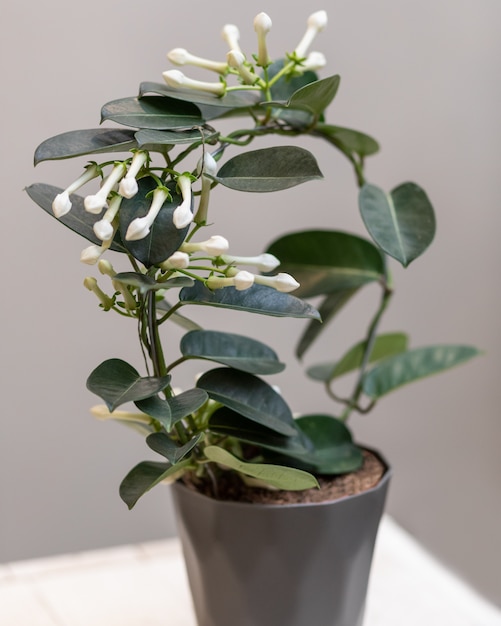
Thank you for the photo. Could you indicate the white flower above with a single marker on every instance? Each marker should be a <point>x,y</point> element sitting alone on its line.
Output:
<point>264,262</point>
<point>139,228</point>
<point>177,261</point>
<point>215,246</point>
<point>182,215</point>
<point>62,203</point>
<point>315,23</point>
<point>180,56</point>
<point>243,280</point>
<point>231,35</point>
<point>262,26</point>
<point>95,203</point>
<point>176,79</point>
<point>281,282</point>
<point>236,60</point>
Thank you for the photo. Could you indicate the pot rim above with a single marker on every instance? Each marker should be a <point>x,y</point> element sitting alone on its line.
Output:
<point>388,472</point>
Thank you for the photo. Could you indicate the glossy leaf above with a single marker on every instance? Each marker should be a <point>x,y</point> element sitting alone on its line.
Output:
<point>250,396</point>
<point>333,450</point>
<point>116,382</point>
<point>277,476</point>
<point>402,223</point>
<point>257,299</point>
<point>80,142</point>
<point>232,100</point>
<point>171,410</point>
<point>237,351</point>
<point>325,262</point>
<point>152,112</point>
<point>385,346</point>
<point>227,422</point>
<point>145,476</point>
<point>283,88</point>
<point>78,219</point>
<point>348,140</point>
<point>409,366</point>
<point>164,445</point>
<point>160,139</point>
<point>164,238</point>
<point>269,169</point>
<point>328,309</point>
<point>313,97</point>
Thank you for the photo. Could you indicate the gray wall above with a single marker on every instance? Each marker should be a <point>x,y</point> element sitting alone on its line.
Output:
<point>420,76</point>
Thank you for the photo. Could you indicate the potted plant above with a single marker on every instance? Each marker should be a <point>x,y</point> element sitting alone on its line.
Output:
<point>246,472</point>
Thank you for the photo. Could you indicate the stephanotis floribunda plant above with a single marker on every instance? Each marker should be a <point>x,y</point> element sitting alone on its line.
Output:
<point>150,209</point>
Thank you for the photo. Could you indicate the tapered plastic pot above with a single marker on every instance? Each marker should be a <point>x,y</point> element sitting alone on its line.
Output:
<point>279,565</point>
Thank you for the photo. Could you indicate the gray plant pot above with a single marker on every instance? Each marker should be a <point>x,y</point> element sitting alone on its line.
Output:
<point>269,565</point>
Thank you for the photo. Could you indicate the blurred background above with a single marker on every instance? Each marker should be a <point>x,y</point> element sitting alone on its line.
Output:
<point>421,78</point>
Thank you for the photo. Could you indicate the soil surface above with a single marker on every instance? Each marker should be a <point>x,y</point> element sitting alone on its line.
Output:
<point>231,487</point>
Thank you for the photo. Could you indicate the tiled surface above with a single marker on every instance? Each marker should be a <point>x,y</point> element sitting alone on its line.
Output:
<point>145,585</point>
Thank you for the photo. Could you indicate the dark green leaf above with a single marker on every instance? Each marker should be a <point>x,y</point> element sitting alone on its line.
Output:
<point>177,318</point>
<point>330,306</point>
<point>325,261</point>
<point>80,142</point>
<point>159,139</point>
<point>250,396</point>
<point>145,476</point>
<point>153,112</point>
<point>277,476</point>
<point>78,219</point>
<point>269,169</point>
<point>349,140</point>
<point>117,382</point>
<point>235,351</point>
<point>257,299</point>
<point>171,410</point>
<point>412,365</point>
<point>385,346</point>
<point>164,238</point>
<point>402,223</point>
<point>314,97</point>
<point>233,100</point>
<point>164,445</point>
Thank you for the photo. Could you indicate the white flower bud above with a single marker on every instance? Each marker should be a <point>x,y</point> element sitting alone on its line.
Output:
<point>215,245</point>
<point>243,280</point>
<point>103,230</point>
<point>177,261</point>
<point>95,203</point>
<point>90,283</point>
<point>176,79</point>
<point>139,228</point>
<point>180,56</point>
<point>106,268</point>
<point>315,23</point>
<point>231,35</point>
<point>91,254</point>
<point>128,187</point>
<point>264,262</point>
<point>61,204</point>
<point>262,26</point>
<point>182,215</point>
<point>207,165</point>
<point>281,282</point>
<point>313,62</point>
<point>236,60</point>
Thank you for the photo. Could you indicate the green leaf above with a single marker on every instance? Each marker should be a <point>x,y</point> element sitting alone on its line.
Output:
<point>330,306</point>
<point>242,353</point>
<point>412,365</point>
<point>152,112</point>
<point>333,450</point>
<point>227,422</point>
<point>385,346</point>
<point>402,223</point>
<point>164,445</point>
<point>277,476</point>
<point>257,299</point>
<point>117,382</point>
<point>158,139</point>
<point>250,396</point>
<point>164,238</point>
<point>177,318</point>
<point>232,100</point>
<point>78,219</point>
<point>314,97</point>
<point>145,476</point>
<point>145,283</point>
<point>269,169</point>
<point>171,410</point>
<point>325,262</point>
<point>80,142</point>
<point>349,140</point>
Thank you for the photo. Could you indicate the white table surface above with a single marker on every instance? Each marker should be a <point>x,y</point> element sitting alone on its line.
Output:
<point>145,585</point>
